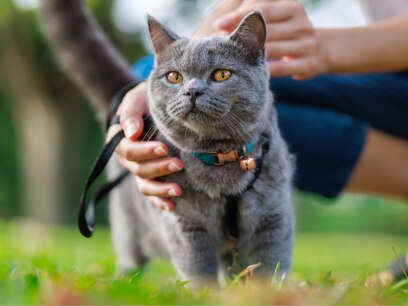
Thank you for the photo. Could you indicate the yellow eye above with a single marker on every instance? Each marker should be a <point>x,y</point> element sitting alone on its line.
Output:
<point>174,77</point>
<point>222,75</point>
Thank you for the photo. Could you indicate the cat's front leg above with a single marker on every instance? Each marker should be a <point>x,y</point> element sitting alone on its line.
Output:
<point>271,244</point>
<point>195,257</point>
<point>125,223</point>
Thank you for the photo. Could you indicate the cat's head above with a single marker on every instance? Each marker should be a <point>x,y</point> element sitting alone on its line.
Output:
<point>211,93</point>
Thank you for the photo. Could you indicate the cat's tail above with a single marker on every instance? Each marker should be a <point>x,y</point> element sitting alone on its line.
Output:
<point>85,53</point>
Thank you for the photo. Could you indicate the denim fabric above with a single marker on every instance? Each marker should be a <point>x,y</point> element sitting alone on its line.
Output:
<point>324,121</point>
<point>327,145</point>
<point>381,100</point>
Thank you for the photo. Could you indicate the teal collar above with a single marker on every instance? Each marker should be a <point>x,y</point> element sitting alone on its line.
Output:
<point>220,158</point>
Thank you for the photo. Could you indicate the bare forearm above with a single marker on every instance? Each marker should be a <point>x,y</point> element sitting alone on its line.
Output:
<point>379,47</point>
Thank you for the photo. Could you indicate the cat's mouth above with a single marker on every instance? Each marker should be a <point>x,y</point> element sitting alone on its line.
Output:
<point>197,115</point>
<point>206,122</point>
<point>196,130</point>
<point>200,122</point>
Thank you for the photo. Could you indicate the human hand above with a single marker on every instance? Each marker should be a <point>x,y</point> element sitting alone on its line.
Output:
<point>292,44</point>
<point>145,159</point>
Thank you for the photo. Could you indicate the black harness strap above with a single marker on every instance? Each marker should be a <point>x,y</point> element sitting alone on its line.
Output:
<point>231,216</point>
<point>259,160</point>
<point>231,206</point>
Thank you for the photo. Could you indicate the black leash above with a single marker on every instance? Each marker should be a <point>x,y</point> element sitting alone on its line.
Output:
<point>86,212</point>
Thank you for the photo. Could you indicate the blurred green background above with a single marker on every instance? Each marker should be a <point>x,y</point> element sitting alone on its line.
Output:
<point>49,136</point>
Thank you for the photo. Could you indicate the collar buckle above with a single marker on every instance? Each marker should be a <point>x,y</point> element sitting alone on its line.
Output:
<point>227,157</point>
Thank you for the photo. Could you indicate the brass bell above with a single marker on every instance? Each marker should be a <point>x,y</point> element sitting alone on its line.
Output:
<point>247,164</point>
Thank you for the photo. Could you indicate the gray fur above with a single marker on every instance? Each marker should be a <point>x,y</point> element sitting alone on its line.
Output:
<point>226,116</point>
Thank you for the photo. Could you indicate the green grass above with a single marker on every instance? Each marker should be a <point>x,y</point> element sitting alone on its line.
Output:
<point>55,265</point>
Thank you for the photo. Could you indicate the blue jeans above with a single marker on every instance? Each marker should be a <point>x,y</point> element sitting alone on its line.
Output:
<point>324,121</point>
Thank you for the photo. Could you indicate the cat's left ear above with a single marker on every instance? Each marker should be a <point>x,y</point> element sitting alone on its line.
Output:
<point>251,33</point>
<point>160,36</point>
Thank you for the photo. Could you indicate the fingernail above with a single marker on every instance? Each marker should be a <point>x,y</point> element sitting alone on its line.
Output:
<point>173,167</point>
<point>170,207</point>
<point>131,128</point>
<point>172,192</point>
<point>159,151</point>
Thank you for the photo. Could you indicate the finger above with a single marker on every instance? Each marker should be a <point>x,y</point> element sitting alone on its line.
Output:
<point>303,67</point>
<point>141,151</point>
<point>291,48</point>
<point>155,168</point>
<point>133,107</point>
<point>276,10</point>
<point>112,131</point>
<point>288,30</point>
<point>272,12</point>
<point>161,203</point>
<point>159,189</point>
<point>229,21</point>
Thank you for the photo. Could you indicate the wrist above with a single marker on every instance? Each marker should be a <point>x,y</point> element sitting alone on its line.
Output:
<point>326,57</point>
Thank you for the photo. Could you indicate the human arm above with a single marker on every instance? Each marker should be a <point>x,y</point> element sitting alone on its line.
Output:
<point>307,52</point>
<point>382,46</point>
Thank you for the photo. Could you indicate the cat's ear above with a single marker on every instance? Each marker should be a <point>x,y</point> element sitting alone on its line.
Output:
<point>160,36</point>
<point>251,33</point>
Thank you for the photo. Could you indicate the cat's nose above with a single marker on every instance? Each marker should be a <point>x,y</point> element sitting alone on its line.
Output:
<point>193,93</point>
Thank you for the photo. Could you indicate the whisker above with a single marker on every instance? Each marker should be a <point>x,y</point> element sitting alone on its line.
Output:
<point>238,127</point>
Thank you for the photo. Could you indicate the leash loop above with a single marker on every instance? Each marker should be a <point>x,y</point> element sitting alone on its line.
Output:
<point>86,213</point>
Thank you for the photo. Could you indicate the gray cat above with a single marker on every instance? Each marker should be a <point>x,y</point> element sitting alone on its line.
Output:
<point>211,95</point>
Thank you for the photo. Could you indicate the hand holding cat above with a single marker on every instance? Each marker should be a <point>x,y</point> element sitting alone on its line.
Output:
<point>146,160</point>
<point>292,43</point>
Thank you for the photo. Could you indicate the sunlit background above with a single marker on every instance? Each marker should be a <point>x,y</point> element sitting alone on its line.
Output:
<point>49,136</point>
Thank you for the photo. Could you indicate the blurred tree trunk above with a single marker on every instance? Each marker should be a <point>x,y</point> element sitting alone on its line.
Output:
<point>39,133</point>
<point>57,136</point>
<point>49,116</point>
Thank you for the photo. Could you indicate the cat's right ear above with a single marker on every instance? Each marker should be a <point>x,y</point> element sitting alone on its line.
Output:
<point>251,33</point>
<point>160,36</point>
